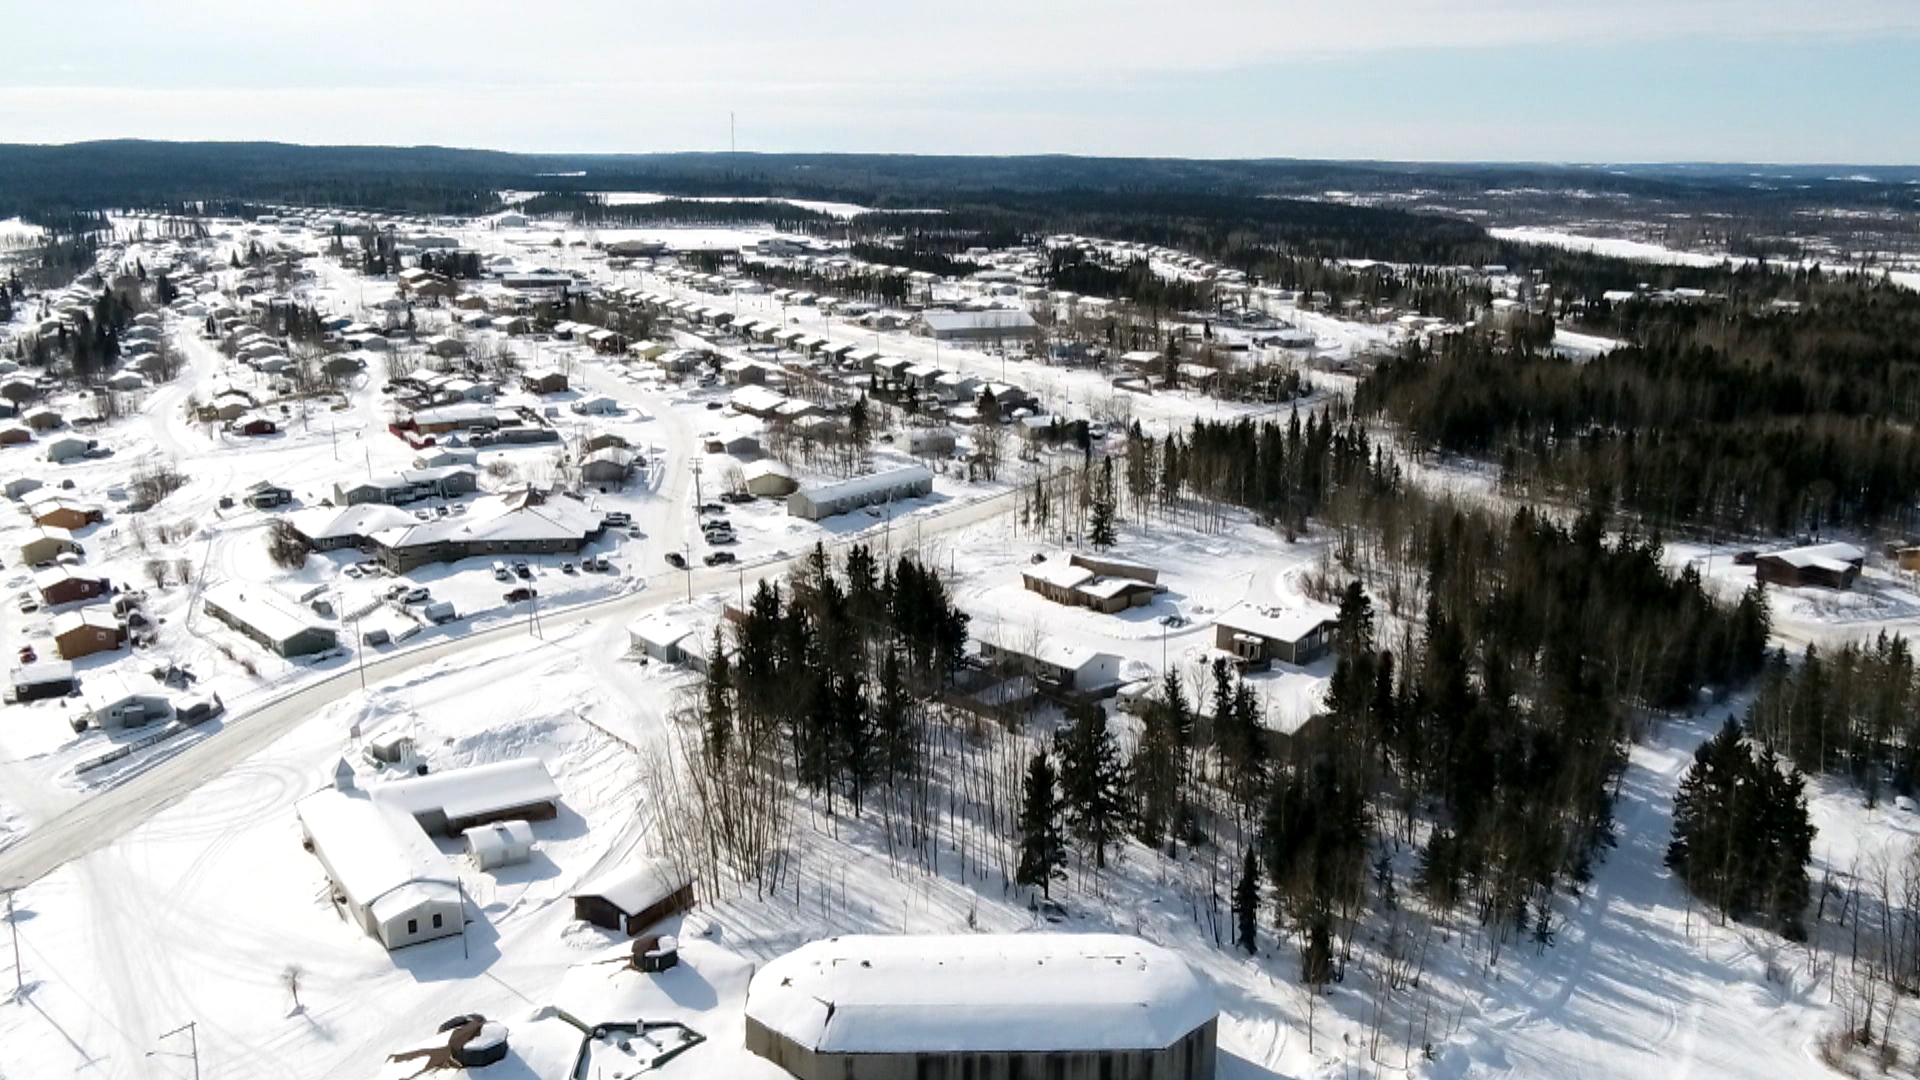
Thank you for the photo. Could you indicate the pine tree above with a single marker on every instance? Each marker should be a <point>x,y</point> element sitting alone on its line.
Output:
<point>1246,904</point>
<point>717,716</point>
<point>1742,838</point>
<point>1092,782</point>
<point>1101,533</point>
<point>1043,849</point>
<point>1155,771</point>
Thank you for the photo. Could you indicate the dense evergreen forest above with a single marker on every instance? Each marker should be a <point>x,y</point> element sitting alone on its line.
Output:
<point>1760,420</point>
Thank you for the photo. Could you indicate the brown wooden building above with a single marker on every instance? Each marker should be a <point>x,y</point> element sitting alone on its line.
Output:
<point>631,899</point>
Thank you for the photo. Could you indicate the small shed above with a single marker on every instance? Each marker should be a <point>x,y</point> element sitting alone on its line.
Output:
<point>660,637</point>
<point>768,479</point>
<point>632,898</point>
<point>499,843</point>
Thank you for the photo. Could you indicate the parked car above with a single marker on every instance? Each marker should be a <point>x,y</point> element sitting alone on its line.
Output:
<point>568,568</point>
<point>27,655</point>
<point>619,518</point>
<point>711,508</point>
<point>736,497</point>
<point>198,709</point>
<point>716,558</point>
<point>416,595</point>
<point>501,573</point>
<point>28,605</point>
<point>524,592</point>
<point>677,560</point>
<point>522,571</point>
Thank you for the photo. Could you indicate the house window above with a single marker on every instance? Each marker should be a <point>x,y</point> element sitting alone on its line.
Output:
<point>413,926</point>
<point>436,921</point>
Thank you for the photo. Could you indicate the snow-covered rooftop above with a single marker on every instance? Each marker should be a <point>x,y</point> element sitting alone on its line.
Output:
<point>1281,624</point>
<point>379,857</point>
<point>259,607</point>
<point>471,792</point>
<point>635,888</point>
<point>980,993</point>
<point>1826,556</point>
<point>871,484</point>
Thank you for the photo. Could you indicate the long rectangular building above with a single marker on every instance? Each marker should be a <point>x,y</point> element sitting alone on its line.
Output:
<point>524,523</point>
<point>1073,1006</point>
<point>816,501</point>
<point>262,615</point>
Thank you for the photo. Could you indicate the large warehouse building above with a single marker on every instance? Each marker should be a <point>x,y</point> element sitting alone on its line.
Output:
<point>994,325</point>
<point>983,1007</point>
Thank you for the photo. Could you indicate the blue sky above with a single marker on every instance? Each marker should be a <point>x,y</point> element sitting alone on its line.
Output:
<point>1560,80</point>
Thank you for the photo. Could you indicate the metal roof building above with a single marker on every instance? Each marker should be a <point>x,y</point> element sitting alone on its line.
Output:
<point>262,615</point>
<point>816,501</point>
<point>1073,1006</point>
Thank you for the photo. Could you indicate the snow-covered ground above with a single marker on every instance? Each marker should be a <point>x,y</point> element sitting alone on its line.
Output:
<point>197,914</point>
<point>1883,599</point>
<point>1612,247</point>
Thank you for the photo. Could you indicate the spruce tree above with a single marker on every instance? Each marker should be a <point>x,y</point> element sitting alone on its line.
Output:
<point>717,716</point>
<point>1742,839</point>
<point>1246,903</point>
<point>1101,532</point>
<point>1092,781</point>
<point>1043,849</point>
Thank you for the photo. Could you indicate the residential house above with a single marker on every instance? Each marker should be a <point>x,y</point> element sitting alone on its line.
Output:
<point>1258,636</point>
<point>85,631</point>
<point>1827,566</point>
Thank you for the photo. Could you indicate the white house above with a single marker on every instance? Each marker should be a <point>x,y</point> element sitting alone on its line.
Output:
<point>388,876</point>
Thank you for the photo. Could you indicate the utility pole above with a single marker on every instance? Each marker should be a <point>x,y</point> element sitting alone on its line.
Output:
<point>19,972</point>
<point>193,1045</point>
